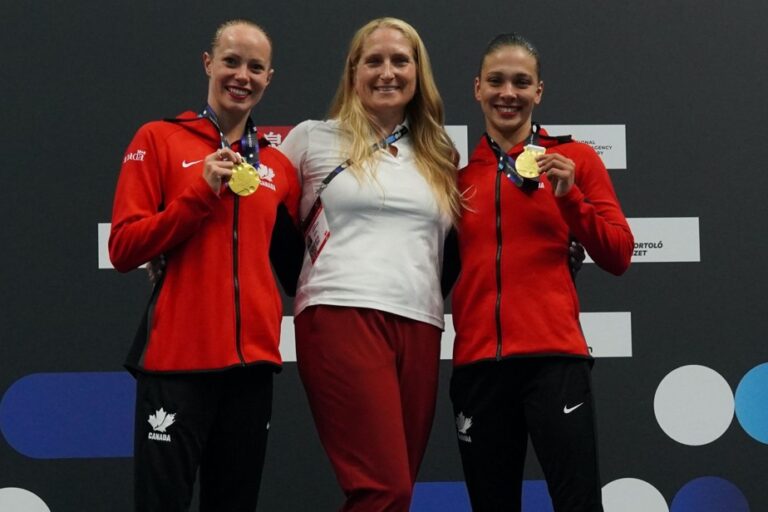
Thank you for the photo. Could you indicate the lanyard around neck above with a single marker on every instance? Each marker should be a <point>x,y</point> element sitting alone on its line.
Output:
<point>382,144</point>
<point>249,142</point>
<point>506,163</point>
<point>317,205</point>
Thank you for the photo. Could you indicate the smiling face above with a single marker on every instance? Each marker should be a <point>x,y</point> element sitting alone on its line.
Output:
<point>239,70</point>
<point>385,75</point>
<point>507,89</point>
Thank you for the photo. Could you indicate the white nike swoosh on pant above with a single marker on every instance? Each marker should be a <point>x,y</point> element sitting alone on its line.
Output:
<point>569,410</point>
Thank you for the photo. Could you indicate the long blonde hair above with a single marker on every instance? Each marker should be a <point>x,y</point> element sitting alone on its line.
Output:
<point>435,153</point>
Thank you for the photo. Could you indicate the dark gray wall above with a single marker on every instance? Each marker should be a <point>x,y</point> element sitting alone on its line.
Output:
<point>687,79</point>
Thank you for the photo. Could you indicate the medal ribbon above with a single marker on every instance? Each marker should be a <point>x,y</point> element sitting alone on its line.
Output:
<point>506,163</point>
<point>249,142</point>
<point>382,144</point>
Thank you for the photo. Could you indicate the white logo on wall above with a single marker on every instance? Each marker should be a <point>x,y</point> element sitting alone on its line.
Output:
<point>274,138</point>
<point>608,140</point>
<point>608,334</point>
<point>462,425</point>
<point>160,421</point>
<point>103,237</point>
<point>458,134</point>
<point>664,239</point>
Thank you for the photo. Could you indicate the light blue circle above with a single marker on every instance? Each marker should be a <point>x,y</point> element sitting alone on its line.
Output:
<point>752,403</point>
<point>709,494</point>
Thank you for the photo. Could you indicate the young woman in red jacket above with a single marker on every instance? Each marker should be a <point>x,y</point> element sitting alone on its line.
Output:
<point>203,193</point>
<point>522,365</point>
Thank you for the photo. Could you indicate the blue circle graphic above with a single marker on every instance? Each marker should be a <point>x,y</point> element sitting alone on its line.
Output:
<point>709,494</point>
<point>752,403</point>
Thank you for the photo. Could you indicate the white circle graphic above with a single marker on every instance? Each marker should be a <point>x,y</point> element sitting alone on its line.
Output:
<point>21,500</point>
<point>694,405</point>
<point>632,495</point>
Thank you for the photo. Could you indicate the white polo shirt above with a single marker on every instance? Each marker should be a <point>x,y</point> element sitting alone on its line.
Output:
<point>385,250</point>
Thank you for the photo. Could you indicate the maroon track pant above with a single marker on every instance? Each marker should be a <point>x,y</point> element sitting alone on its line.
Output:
<point>371,381</point>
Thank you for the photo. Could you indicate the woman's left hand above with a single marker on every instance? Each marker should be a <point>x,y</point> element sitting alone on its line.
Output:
<point>560,170</point>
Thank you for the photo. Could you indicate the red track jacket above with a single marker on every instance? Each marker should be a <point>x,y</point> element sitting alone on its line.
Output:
<point>515,295</point>
<point>218,305</point>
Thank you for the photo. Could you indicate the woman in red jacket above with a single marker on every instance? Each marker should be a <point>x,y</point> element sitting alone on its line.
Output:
<point>203,192</point>
<point>522,366</point>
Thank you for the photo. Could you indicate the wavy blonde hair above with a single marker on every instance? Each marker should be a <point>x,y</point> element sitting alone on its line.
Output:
<point>435,154</point>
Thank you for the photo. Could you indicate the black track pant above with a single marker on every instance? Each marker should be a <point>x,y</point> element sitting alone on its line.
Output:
<point>215,422</point>
<point>499,404</point>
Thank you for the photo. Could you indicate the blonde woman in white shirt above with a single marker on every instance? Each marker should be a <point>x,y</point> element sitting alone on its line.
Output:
<point>378,198</point>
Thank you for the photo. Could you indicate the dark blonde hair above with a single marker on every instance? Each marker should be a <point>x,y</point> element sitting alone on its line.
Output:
<point>231,23</point>
<point>434,151</point>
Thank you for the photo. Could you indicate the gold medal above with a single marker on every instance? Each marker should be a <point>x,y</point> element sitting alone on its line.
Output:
<point>244,180</point>
<point>526,165</point>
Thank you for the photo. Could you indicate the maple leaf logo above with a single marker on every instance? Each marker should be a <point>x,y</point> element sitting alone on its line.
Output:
<point>266,173</point>
<point>463,423</point>
<point>161,420</point>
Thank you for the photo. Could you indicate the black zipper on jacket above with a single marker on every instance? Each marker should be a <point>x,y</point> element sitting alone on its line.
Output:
<point>236,279</point>
<point>498,265</point>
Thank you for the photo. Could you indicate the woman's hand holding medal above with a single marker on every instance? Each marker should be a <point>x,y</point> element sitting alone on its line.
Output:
<point>560,170</point>
<point>218,166</point>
